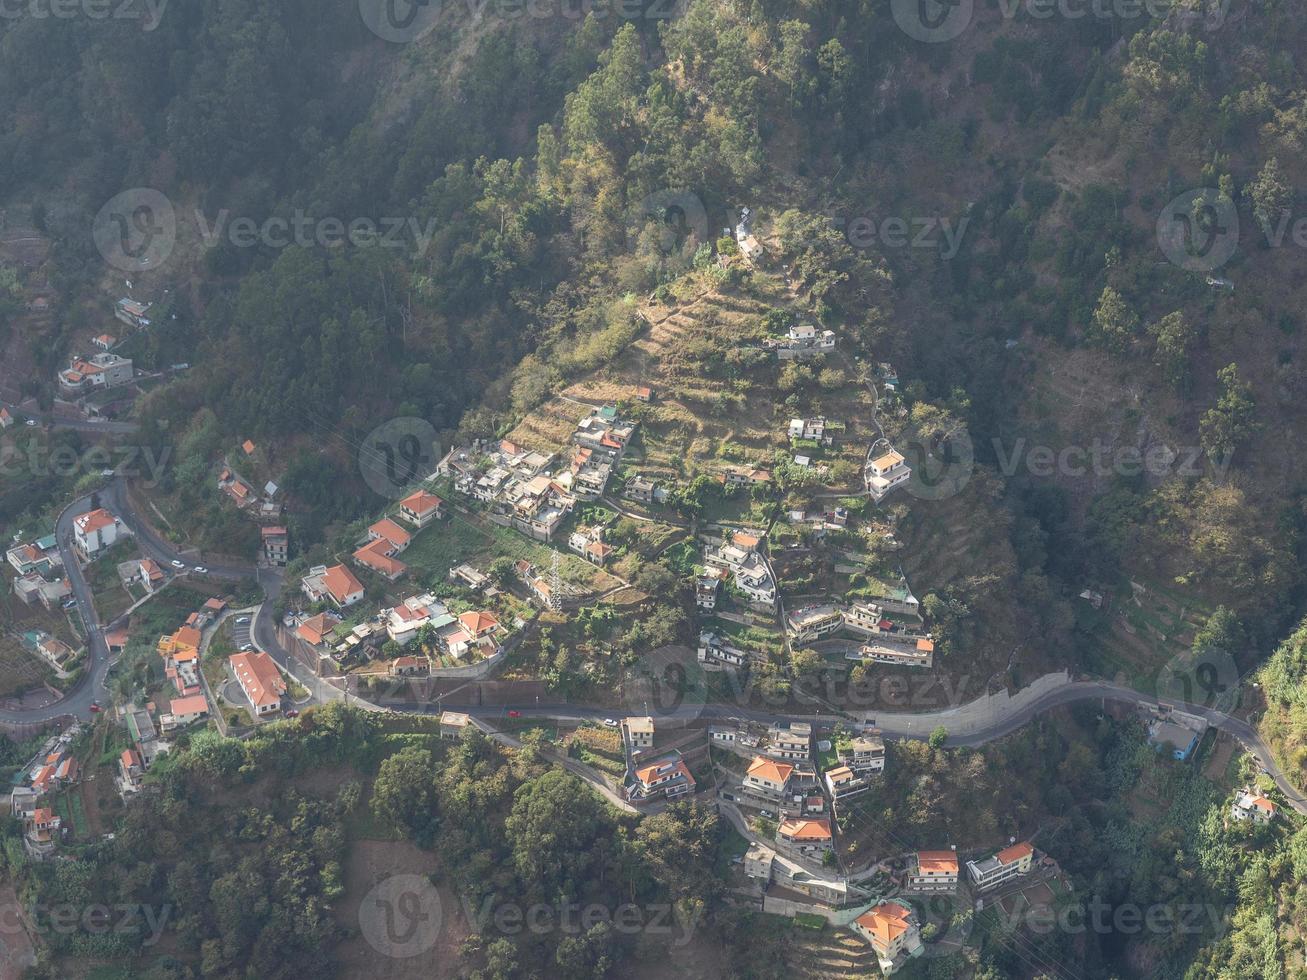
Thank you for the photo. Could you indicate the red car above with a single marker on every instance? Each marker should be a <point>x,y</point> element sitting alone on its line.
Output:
<point>292,713</point>
<point>515,714</point>
<point>95,707</point>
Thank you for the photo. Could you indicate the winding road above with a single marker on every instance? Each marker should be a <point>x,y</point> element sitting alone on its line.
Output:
<point>972,723</point>
<point>91,687</point>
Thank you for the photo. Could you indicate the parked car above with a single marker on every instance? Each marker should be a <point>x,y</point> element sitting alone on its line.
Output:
<point>515,714</point>
<point>201,569</point>
<point>177,563</point>
<point>610,722</point>
<point>246,647</point>
<point>292,713</point>
<point>30,422</point>
<point>242,620</point>
<point>95,707</point>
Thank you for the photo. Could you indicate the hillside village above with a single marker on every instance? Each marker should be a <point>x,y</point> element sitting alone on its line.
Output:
<point>794,540</point>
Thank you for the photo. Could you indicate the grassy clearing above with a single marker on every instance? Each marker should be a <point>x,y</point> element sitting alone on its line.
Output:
<point>440,547</point>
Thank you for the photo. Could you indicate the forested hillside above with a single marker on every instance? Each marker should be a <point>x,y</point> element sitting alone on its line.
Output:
<point>1075,238</point>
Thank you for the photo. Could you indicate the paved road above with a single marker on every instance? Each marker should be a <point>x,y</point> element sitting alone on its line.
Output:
<point>77,701</point>
<point>970,724</point>
<point>973,723</point>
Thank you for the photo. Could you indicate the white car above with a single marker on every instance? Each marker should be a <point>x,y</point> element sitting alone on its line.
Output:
<point>30,422</point>
<point>177,563</point>
<point>610,722</point>
<point>201,569</point>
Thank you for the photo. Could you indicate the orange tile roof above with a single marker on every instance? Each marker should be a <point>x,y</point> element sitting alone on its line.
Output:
<point>193,705</point>
<point>374,557</point>
<point>886,923</point>
<point>770,770</point>
<point>388,530</point>
<point>477,623</point>
<point>130,757</point>
<point>806,829</point>
<point>937,862</point>
<point>259,677</point>
<point>925,645</point>
<point>314,629</point>
<point>1262,803</point>
<point>421,502</point>
<point>1010,855</point>
<point>745,540</point>
<point>93,520</point>
<point>248,447</point>
<point>341,583</point>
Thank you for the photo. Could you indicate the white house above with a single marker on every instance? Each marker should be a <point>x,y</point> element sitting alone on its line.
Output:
<point>885,472</point>
<point>95,531</point>
<point>1009,863</point>
<point>1252,806</point>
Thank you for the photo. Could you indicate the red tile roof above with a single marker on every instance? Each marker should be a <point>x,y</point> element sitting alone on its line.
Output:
<point>1010,855</point>
<point>259,677</point>
<point>341,583</point>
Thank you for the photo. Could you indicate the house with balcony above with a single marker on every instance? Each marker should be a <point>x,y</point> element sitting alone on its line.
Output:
<point>336,585</point>
<point>932,871</point>
<point>768,778</point>
<point>1253,807</point>
<point>907,651</point>
<point>812,623</point>
<point>884,473</point>
<point>638,732</point>
<point>998,869</point>
<point>95,532</point>
<point>892,930</point>
<point>862,753</point>
<point>790,741</point>
<point>665,777</point>
<point>716,654</point>
<point>102,370</point>
<point>803,342</point>
<point>420,508</point>
<point>588,542</point>
<point>805,838</point>
<point>276,544</point>
<point>842,784</point>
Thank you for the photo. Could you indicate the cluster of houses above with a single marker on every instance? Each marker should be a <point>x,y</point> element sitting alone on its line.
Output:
<point>39,569</point>
<point>385,540</point>
<point>53,768</point>
<point>802,342</point>
<point>470,637</point>
<point>265,505</point>
<point>737,555</point>
<point>888,641</point>
<point>180,653</point>
<point>518,486</point>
